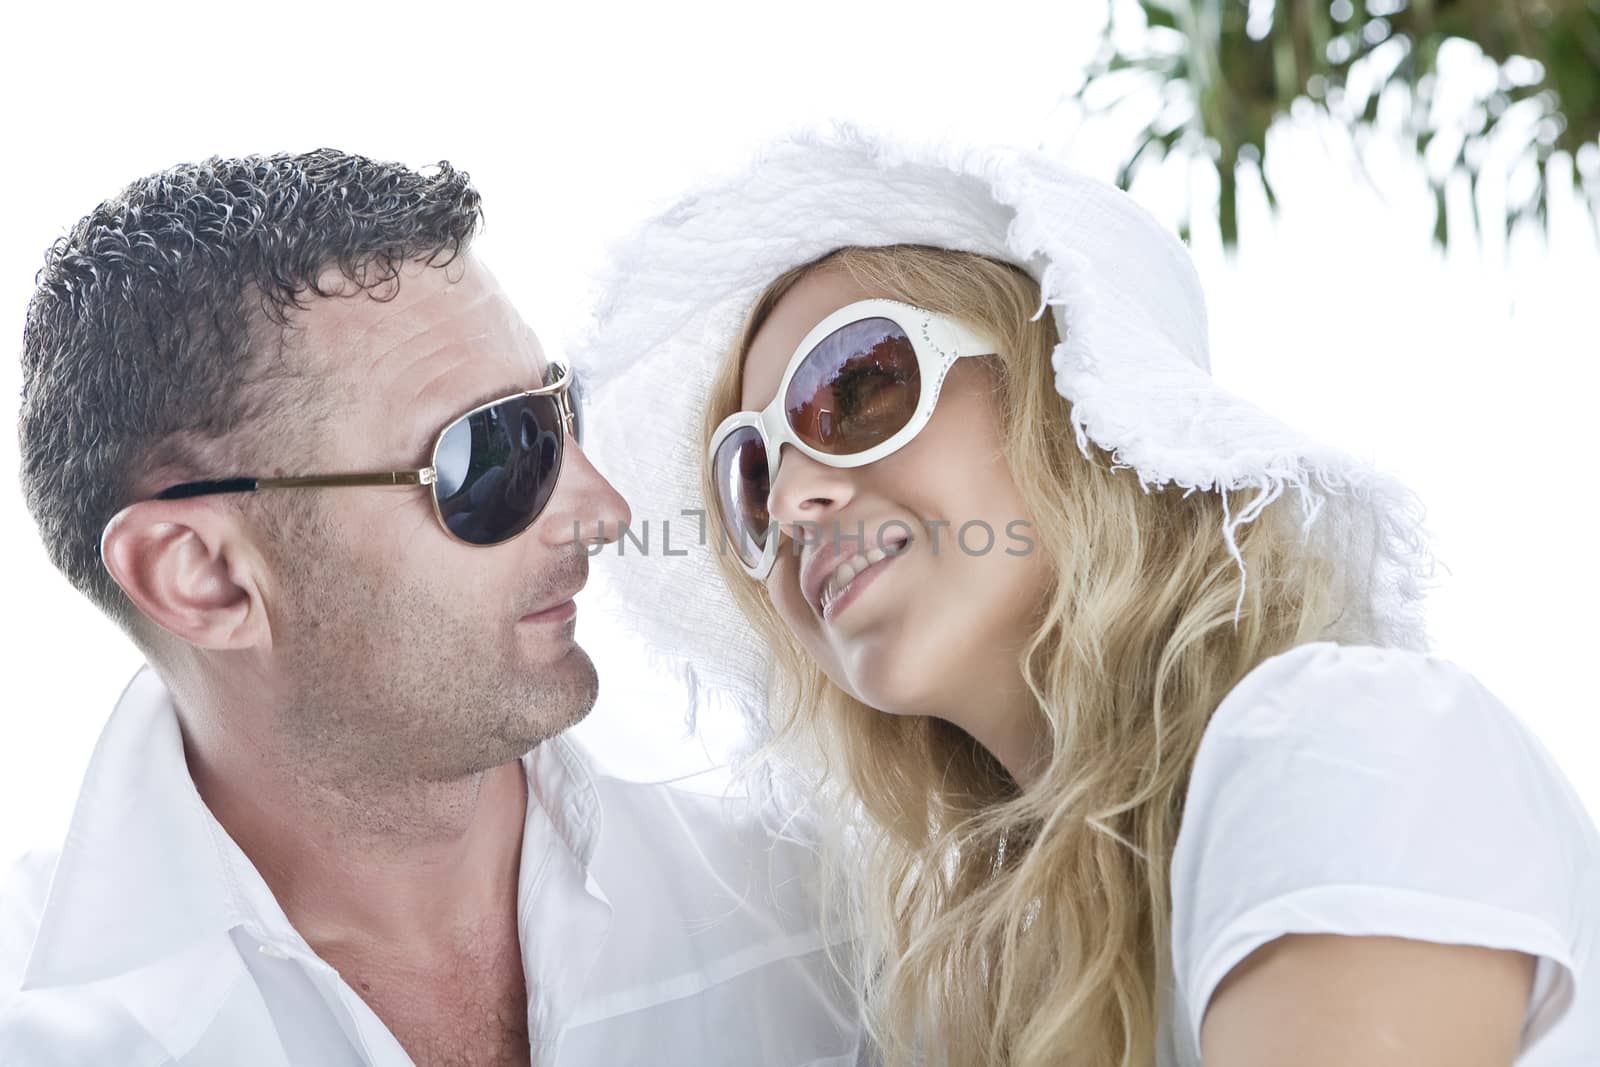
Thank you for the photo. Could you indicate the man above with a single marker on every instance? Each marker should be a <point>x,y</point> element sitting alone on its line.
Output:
<point>336,822</point>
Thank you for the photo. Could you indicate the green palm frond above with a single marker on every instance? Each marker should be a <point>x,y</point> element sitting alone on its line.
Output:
<point>1217,74</point>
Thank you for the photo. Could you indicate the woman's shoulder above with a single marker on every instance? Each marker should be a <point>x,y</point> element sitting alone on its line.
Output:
<point>1386,732</point>
<point>1357,693</point>
<point>1371,772</point>
<point>1388,793</point>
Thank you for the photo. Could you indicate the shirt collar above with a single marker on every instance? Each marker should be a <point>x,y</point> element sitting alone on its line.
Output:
<point>139,877</point>
<point>146,871</point>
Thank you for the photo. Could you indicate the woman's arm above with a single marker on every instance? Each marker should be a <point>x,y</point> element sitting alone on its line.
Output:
<point>1329,1001</point>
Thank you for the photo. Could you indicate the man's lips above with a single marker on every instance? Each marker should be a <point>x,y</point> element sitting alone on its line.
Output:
<point>560,605</point>
<point>559,613</point>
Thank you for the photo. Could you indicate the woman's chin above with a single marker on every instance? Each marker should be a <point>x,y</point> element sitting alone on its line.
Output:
<point>879,685</point>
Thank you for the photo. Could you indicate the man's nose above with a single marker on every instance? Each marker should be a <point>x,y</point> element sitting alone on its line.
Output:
<point>585,508</point>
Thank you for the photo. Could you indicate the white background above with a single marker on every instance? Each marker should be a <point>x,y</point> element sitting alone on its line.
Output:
<point>1472,376</point>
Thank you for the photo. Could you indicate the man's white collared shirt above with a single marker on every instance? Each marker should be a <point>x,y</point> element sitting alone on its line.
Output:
<point>681,934</point>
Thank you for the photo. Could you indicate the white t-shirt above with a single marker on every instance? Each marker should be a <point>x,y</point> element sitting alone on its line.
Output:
<point>1377,792</point>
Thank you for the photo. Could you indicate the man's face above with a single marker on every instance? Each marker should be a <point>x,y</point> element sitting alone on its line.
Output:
<point>402,651</point>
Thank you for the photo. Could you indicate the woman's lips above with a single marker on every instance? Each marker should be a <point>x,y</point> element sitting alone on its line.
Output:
<point>831,607</point>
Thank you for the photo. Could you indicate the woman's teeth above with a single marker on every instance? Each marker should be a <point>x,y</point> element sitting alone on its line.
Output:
<point>846,573</point>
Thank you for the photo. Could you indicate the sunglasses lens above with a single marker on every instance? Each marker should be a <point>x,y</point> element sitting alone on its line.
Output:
<point>497,468</point>
<point>856,389</point>
<point>575,400</point>
<point>740,469</point>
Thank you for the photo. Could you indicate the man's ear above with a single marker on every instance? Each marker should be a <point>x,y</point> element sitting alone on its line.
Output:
<point>189,567</point>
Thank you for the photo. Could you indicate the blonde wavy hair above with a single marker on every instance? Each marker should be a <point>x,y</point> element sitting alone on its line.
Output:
<point>1009,925</point>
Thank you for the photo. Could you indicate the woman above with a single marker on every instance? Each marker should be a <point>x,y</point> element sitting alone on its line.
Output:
<point>1141,762</point>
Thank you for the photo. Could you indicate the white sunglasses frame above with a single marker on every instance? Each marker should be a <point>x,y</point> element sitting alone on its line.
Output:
<point>936,340</point>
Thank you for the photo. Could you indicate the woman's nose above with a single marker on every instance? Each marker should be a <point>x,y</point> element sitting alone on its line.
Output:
<point>806,494</point>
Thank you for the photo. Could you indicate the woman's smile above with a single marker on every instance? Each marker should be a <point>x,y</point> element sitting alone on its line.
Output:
<point>854,576</point>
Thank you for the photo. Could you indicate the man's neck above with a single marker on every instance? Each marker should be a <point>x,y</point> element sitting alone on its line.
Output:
<point>410,864</point>
<point>406,887</point>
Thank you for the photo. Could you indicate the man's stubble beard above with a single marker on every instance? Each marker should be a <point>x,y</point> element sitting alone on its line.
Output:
<point>385,684</point>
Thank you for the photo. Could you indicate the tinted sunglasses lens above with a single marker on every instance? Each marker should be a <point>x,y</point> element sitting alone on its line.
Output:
<point>497,468</point>
<point>856,389</point>
<point>740,470</point>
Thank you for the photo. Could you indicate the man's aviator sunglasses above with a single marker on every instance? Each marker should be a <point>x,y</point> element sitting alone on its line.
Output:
<point>859,387</point>
<point>491,472</point>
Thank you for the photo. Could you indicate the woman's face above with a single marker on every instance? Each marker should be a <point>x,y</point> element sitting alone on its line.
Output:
<point>935,628</point>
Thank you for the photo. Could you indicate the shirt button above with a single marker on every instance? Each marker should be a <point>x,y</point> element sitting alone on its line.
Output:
<point>273,952</point>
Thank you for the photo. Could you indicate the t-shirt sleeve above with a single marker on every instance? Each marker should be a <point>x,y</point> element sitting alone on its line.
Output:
<point>1375,792</point>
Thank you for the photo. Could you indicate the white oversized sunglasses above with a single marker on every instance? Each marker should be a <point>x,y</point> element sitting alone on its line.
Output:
<point>860,385</point>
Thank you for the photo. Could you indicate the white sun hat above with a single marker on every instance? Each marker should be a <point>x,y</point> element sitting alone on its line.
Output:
<point>1133,362</point>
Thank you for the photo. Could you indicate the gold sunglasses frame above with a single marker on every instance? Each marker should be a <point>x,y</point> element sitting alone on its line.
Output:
<point>560,389</point>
